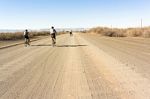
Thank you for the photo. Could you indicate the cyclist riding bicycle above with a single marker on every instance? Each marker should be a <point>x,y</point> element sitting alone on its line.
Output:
<point>27,39</point>
<point>71,34</point>
<point>53,33</point>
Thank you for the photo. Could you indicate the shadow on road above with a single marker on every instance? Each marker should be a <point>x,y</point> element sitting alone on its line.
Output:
<point>70,45</point>
<point>60,45</point>
<point>42,45</point>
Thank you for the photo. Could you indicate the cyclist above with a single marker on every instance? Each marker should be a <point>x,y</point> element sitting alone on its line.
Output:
<point>71,34</point>
<point>53,33</point>
<point>27,39</point>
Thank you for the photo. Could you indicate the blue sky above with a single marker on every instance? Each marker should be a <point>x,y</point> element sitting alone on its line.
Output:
<point>37,14</point>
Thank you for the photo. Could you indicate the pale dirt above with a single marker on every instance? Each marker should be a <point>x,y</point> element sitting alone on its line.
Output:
<point>80,67</point>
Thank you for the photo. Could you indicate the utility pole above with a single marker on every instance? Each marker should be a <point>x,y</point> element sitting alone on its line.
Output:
<point>142,29</point>
<point>111,27</point>
<point>141,23</point>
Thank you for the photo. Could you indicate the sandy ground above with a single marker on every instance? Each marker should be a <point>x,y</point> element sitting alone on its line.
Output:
<point>14,42</point>
<point>79,67</point>
<point>5,43</point>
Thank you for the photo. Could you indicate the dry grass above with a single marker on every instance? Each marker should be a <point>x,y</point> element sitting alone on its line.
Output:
<point>19,35</point>
<point>10,36</point>
<point>115,32</point>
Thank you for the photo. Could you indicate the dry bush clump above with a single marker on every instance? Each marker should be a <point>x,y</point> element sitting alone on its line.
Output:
<point>146,34</point>
<point>19,35</point>
<point>108,32</point>
<point>115,32</point>
<point>135,32</point>
<point>10,36</point>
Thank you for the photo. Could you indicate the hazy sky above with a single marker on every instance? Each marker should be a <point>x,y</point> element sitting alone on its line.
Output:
<point>36,14</point>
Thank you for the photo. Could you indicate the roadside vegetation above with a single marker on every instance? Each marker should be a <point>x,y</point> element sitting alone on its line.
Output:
<point>115,32</point>
<point>19,35</point>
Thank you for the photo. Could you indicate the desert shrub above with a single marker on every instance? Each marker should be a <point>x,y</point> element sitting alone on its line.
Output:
<point>115,32</point>
<point>146,34</point>
<point>108,32</point>
<point>134,32</point>
<point>19,35</point>
<point>10,36</point>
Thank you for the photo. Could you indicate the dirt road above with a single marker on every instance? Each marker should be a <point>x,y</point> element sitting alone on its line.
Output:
<point>79,67</point>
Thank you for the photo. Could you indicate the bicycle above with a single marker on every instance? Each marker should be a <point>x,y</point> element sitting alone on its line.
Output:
<point>27,42</point>
<point>53,40</point>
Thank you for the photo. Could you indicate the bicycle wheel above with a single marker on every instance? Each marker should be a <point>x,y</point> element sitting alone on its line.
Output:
<point>53,42</point>
<point>27,43</point>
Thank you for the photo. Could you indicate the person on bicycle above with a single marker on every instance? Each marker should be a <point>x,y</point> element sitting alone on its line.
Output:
<point>26,36</point>
<point>53,33</point>
<point>71,34</point>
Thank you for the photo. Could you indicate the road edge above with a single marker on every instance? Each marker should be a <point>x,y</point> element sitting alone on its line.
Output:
<point>12,45</point>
